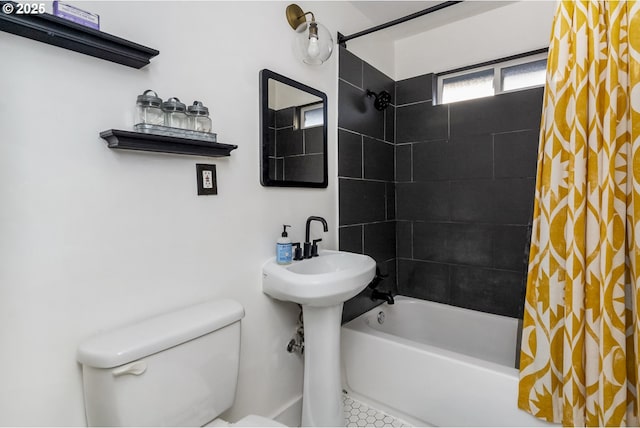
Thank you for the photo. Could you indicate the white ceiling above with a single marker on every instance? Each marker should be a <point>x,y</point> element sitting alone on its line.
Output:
<point>384,11</point>
<point>381,12</point>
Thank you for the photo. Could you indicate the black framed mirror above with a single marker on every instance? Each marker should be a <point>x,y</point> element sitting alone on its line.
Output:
<point>293,122</point>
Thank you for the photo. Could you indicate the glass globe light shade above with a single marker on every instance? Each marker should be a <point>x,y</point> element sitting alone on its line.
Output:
<point>312,43</point>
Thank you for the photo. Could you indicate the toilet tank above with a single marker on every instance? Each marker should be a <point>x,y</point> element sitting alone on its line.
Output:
<point>175,369</point>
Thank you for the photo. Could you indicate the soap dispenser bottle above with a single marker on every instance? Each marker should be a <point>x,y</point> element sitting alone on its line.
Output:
<point>283,247</point>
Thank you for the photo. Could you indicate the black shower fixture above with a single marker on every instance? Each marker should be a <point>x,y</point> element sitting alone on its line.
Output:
<point>382,99</point>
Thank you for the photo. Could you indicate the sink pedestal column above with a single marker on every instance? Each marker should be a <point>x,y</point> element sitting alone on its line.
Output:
<point>322,397</point>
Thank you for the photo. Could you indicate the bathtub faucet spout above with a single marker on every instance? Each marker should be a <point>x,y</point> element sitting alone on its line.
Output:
<point>382,295</point>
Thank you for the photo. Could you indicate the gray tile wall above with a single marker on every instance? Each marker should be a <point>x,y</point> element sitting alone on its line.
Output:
<point>465,176</point>
<point>441,196</point>
<point>366,163</point>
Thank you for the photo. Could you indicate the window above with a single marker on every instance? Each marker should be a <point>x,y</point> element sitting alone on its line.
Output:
<point>523,75</point>
<point>311,115</point>
<point>468,86</point>
<point>491,79</point>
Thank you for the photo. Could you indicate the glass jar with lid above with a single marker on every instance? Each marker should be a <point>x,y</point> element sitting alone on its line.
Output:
<point>175,113</point>
<point>148,109</point>
<point>199,119</point>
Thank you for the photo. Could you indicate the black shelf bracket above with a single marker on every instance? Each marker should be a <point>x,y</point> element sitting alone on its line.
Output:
<point>60,32</point>
<point>130,140</point>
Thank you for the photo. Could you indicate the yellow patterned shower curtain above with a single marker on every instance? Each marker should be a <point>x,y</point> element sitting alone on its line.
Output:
<point>581,332</point>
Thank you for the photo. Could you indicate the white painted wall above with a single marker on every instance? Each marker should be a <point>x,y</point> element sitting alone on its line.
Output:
<point>377,49</point>
<point>508,30</point>
<point>93,238</point>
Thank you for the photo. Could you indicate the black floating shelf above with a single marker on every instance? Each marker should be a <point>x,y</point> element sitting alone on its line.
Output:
<point>130,140</point>
<point>60,32</point>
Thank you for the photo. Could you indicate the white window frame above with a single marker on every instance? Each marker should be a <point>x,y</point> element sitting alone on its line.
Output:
<point>497,75</point>
<point>304,109</point>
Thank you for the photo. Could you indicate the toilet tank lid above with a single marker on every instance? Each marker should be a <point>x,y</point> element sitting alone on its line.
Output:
<point>135,341</point>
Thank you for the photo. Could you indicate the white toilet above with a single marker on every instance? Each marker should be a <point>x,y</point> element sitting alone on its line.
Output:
<point>176,369</point>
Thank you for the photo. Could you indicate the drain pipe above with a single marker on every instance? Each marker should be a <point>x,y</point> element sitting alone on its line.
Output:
<point>296,344</point>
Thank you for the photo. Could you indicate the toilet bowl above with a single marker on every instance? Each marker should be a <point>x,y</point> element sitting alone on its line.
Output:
<point>176,369</point>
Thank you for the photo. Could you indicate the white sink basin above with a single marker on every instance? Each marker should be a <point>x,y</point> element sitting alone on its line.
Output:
<point>329,279</point>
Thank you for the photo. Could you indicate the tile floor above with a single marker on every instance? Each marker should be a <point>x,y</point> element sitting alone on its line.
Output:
<point>357,414</point>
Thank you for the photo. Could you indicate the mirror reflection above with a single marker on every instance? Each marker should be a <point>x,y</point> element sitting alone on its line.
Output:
<point>294,145</point>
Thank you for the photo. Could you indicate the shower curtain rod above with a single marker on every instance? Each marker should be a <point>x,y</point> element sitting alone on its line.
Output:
<point>342,40</point>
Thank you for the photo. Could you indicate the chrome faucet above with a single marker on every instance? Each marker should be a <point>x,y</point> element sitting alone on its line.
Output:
<point>311,249</point>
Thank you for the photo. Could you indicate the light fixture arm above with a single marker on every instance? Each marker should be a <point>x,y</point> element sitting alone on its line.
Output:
<point>296,16</point>
<point>313,18</point>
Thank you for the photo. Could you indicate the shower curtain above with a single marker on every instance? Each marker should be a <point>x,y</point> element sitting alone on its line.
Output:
<point>579,355</point>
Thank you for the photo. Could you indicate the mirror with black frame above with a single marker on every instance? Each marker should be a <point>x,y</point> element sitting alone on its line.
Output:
<point>293,122</point>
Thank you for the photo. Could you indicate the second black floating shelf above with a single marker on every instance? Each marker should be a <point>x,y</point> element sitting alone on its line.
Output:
<point>130,140</point>
<point>48,28</point>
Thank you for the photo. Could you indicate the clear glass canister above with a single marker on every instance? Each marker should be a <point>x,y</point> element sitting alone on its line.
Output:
<point>175,113</point>
<point>148,109</point>
<point>199,119</point>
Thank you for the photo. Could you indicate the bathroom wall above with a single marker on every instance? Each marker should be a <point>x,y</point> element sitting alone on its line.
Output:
<point>455,184</point>
<point>511,28</point>
<point>366,173</point>
<point>464,196</point>
<point>465,172</point>
<point>453,163</point>
<point>94,238</point>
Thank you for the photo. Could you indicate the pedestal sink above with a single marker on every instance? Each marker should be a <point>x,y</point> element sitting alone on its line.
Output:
<point>321,285</point>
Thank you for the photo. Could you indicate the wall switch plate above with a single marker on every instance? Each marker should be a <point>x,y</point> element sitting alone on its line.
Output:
<point>207,182</point>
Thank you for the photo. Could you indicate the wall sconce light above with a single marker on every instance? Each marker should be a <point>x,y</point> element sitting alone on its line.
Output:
<point>313,43</point>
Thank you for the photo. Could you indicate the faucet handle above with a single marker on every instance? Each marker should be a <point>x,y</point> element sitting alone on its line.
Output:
<point>378,274</point>
<point>377,279</point>
<point>314,247</point>
<point>297,251</point>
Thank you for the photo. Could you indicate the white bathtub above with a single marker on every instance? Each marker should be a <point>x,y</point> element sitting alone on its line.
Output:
<point>435,364</point>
